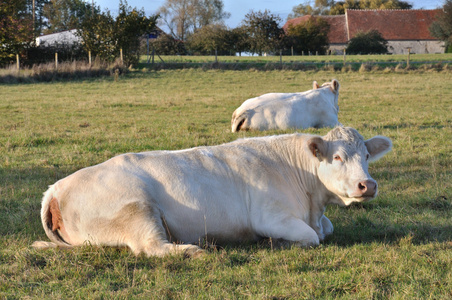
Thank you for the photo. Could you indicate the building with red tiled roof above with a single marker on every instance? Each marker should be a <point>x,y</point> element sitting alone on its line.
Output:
<point>402,28</point>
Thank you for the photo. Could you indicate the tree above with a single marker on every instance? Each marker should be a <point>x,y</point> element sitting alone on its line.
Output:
<point>264,33</point>
<point>165,44</point>
<point>211,38</point>
<point>321,7</point>
<point>442,26</point>
<point>371,42</point>
<point>184,17</point>
<point>240,40</point>
<point>40,21</point>
<point>311,35</point>
<point>16,29</point>
<point>207,12</point>
<point>330,7</point>
<point>96,33</point>
<point>104,35</point>
<point>66,14</point>
<point>129,26</point>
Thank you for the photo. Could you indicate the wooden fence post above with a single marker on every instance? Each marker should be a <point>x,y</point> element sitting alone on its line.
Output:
<point>120,53</point>
<point>408,58</point>
<point>280,57</point>
<point>344,57</point>
<point>56,60</point>
<point>17,62</point>
<point>89,57</point>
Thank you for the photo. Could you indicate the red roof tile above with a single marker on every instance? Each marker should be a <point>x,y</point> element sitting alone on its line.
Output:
<point>393,24</point>
<point>296,21</point>
<point>338,29</point>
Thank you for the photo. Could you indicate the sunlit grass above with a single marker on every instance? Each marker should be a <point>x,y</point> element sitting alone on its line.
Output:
<point>304,58</point>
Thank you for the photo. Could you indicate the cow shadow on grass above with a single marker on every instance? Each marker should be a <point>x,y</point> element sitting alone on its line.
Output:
<point>363,229</point>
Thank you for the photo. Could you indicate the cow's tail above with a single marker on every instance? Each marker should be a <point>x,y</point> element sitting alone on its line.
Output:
<point>52,222</point>
<point>238,121</point>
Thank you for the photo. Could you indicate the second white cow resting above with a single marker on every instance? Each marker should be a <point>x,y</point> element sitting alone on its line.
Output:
<point>275,186</point>
<point>314,108</point>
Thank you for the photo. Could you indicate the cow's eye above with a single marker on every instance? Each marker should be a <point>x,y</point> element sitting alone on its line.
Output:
<point>337,157</point>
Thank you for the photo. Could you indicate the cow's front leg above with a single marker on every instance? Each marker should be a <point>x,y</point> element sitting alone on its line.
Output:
<point>290,229</point>
<point>327,226</point>
<point>323,227</point>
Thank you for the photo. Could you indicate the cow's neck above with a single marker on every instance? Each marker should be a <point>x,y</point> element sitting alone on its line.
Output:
<point>304,166</point>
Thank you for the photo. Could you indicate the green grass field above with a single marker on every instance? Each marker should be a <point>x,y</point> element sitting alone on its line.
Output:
<point>308,58</point>
<point>398,246</point>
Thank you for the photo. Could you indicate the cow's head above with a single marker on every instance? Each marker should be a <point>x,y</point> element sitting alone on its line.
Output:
<point>343,169</point>
<point>333,86</point>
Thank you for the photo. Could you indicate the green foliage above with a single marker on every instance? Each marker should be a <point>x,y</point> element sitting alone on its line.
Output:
<point>311,35</point>
<point>40,20</point>
<point>264,33</point>
<point>16,30</point>
<point>66,53</point>
<point>371,42</point>
<point>66,14</point>
<point>239,39</point>
<point>329,7</point>
<point>321,7</point>
<point>442,26</point>
<point>104,35</point>
<point>129,26</point>
<point>209,39</point>
<point>97,34</point>
<point>167,45</point>
<point>184,17</point>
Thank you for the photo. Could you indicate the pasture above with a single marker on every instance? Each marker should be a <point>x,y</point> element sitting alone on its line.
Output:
<point>396,246</point>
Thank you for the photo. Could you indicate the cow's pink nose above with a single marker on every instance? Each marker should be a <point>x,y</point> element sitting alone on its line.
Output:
<point>367,188</point>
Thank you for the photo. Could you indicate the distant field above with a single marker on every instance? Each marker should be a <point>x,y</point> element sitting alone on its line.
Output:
<point>398,246</point>
<point>402,58</point>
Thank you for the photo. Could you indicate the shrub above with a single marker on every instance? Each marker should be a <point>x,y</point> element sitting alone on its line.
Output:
<point>371,42</point>
<point>167,45</point>
<point>45,54</point>
<point>308,36</point>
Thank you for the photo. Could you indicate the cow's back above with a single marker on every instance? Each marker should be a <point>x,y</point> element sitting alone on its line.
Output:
<point>197,192</point>
<point>297,110</point>
<point>313,108</point>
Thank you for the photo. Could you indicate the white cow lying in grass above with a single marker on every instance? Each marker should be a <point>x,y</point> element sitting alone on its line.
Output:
<point>314,108</point>
<point>165,202</point>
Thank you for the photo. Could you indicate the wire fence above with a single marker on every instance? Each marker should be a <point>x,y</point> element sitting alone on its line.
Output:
<point>54,65</point>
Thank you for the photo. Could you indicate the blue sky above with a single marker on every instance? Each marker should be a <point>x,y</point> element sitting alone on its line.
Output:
<point>239,8</point>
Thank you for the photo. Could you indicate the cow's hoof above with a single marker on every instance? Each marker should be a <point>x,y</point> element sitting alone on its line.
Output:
<point>194,252</point>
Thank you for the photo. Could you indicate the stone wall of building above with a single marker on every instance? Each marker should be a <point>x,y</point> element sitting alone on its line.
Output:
<point>417,47</point>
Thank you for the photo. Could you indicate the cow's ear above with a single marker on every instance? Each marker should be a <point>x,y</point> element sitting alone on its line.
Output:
<point>317,146</point>
<point>377,147</point>
<point>335,86</point>
<point>315,85</point>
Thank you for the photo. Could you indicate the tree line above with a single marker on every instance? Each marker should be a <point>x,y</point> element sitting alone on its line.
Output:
<point>102,34</point>
<point>194,27</point>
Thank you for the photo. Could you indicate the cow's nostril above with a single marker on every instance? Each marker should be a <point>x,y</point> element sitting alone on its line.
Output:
<point>362,187</point>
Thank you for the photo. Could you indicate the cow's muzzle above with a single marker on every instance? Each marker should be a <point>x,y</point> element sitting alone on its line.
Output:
<point>366,188</point>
